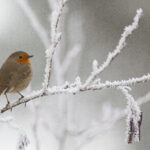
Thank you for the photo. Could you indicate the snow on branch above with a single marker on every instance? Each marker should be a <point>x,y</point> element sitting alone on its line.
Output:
<point>55,38</point>
<point>115,84</point>
<point>121,44</point>
<point>75,88</point>
<point>111,117</point>
<point>134,117</point>
<point>23,141</point>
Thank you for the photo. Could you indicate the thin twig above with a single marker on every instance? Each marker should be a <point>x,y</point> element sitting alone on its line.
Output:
<point>121,44</point>
<point>55,38</point>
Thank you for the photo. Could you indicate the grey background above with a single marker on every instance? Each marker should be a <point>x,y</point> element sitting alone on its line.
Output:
<point>102,22</point>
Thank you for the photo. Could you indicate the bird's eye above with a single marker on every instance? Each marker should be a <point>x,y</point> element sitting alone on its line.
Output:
<point>20,57</point>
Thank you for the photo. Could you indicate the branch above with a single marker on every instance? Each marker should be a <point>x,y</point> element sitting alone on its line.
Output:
<point>121,44</point>
<point>112,118</point>
<point>94,131</point>
<point>23,140</point>
<point>114,84</point>
<point>32,96</point>
<point>55,38</point>
<point>134,117</point>
<point>49,56</point>
<point>73,89</point>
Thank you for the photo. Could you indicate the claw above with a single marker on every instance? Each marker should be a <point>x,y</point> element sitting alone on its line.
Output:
<point>8,103</point>
<point>21,96</point>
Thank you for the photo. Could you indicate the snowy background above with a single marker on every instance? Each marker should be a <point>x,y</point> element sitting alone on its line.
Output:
<point>95,25</point>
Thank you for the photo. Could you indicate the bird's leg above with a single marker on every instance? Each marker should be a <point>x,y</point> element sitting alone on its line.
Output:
<point>20,95</point>
<point>6,98</point>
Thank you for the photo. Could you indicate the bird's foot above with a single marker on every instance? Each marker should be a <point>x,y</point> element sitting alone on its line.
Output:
<point>8,104</point>
<point>21,97</point>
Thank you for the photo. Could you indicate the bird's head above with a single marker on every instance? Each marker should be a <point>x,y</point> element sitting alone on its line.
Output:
<point>21,57</point>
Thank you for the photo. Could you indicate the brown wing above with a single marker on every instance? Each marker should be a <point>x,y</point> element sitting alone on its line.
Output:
<point>20,79</point>
<point>5,74</point>
<point>6,71</point>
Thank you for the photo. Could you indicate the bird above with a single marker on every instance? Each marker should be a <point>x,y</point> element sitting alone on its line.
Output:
<point>15,74</point>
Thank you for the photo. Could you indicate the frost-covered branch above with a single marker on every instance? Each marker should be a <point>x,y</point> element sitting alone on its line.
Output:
<point>75,88</point>
<point>134,117</point>
<point>115,84</point>
<point>49,56</point>
<point>121,44</point>
<point>111,117</point>
<point>114,119</point>
<point>55,38</point>
<point>60,69</point>
<point>23,140</point>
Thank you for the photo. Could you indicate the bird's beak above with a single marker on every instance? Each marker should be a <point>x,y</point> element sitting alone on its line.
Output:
<point>30,56</point>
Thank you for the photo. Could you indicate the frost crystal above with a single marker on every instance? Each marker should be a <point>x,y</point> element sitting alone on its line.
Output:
<point>23,142</point>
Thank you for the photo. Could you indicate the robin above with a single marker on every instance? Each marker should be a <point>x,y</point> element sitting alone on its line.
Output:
<point>15,74</point>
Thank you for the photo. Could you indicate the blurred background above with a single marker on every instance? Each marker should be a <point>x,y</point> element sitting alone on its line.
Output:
<point>96,26</point>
